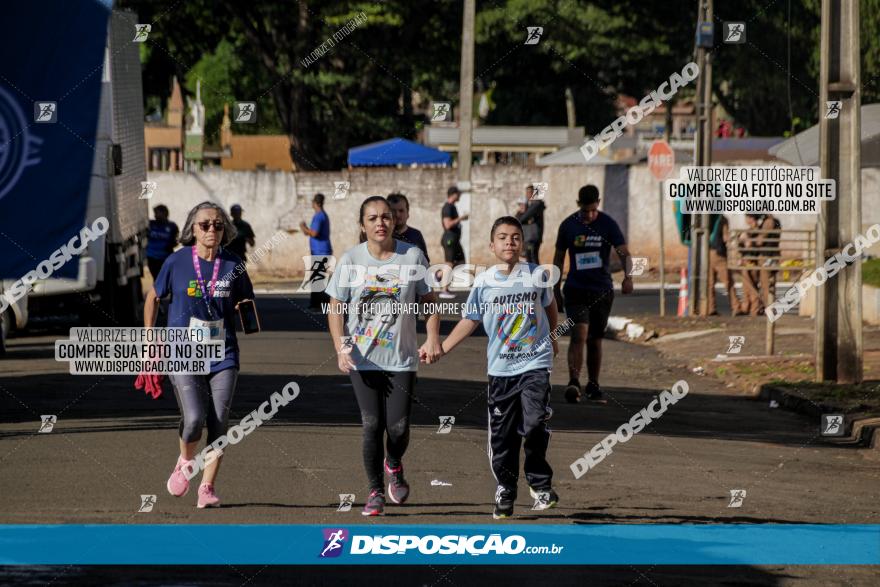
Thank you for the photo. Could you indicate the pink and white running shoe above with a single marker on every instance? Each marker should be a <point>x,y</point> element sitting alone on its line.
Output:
<point>178,484</point>
<point>207,497</point>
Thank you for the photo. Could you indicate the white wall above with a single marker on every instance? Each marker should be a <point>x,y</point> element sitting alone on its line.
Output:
<point>276,200</point>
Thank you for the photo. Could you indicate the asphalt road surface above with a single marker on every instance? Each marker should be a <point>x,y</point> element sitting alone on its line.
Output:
<point>111,444</point>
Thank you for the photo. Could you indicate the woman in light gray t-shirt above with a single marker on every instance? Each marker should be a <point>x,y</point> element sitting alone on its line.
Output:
<point>373,295</point>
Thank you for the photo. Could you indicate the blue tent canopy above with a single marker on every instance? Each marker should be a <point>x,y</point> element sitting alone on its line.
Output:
<point>396,151</point>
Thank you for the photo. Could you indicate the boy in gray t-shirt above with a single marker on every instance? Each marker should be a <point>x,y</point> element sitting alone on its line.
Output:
<point>515,304</point>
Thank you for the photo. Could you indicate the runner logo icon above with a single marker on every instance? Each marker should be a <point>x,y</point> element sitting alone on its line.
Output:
<point>639,264</point>
<point>340,189</point>
<point>736,344</point>
<point>542,500</point>
<point>442,112</point>
<point>533,34</point>
<point>832,425</point>
<point>345,502</point>
<point>832,109</point>
<point>734,32</point>
<point>446,423</point>
<point>141,32</point>
<point>539,190</point>
<point>147,503</point>
<point>334,539</point>
<point>45,112</point>
<point>737,496</point>
<point>147,189</point>
<point>47,423</point>
<point>246,112</point>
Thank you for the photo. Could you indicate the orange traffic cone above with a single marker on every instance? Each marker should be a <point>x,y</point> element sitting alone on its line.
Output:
<point>683,294</point>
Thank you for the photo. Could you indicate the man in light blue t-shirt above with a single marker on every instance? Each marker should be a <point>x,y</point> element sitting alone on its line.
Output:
<point>515,303</point>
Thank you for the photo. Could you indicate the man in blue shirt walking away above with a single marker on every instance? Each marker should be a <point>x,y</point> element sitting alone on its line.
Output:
<point>319,243</point>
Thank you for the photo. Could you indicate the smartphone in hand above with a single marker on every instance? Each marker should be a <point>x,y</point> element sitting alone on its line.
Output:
<point>250,321</point>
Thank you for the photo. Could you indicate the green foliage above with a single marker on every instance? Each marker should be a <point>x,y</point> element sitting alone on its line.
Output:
<point>871,272</point>
<point>363,87</point>
<point>225,80</point>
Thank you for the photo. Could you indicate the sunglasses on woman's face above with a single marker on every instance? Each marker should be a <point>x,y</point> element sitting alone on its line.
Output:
<point>206,225</point>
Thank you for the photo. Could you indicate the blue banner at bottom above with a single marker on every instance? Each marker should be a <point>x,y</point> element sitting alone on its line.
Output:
<point>630,544</point>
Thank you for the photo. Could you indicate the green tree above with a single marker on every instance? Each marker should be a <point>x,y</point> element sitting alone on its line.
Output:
<point>362,89</point>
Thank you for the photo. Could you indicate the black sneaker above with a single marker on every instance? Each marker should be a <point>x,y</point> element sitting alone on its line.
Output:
<point>375,505</point>
<point>398,488</point>
<point>573,392</point>
<point>504,499</point>
<point>593,391</point>
<point>544,498</point>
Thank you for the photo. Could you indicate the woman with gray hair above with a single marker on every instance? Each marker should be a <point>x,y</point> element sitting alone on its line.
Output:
<point>205,290</point>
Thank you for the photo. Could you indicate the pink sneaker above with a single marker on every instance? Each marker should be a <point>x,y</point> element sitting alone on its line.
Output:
<point>178,485</point>
<point>207,497</point>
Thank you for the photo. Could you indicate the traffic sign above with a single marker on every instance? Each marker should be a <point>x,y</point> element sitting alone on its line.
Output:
<point>661,159</point>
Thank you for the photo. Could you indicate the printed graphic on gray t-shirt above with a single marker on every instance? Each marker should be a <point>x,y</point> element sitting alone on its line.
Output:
<point>519,340</point>
<point>384,337</point>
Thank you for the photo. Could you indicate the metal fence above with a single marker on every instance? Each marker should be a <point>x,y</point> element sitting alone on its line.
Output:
<point>760,256</point>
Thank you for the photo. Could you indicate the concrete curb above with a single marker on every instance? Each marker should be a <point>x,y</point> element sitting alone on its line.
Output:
<point>860,430</point>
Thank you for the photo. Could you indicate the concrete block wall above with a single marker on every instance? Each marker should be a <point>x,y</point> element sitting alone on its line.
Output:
<point>275,200</point>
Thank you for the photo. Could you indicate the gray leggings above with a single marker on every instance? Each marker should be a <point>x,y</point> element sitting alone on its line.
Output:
<point>204,397</point>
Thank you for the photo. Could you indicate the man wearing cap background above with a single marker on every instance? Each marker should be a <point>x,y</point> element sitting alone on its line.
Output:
<point>245,235</point>
<point>531,215</point>
<point>452,252</point>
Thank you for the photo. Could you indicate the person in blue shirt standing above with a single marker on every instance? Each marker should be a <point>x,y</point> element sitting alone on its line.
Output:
<point>319,243</point>
<point>206,283</point>
<point>518,313</point>
<point>161,241</point>
<point>588,237</point>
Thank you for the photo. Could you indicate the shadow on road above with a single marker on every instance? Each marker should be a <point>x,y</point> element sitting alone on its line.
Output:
<point>112,404</point>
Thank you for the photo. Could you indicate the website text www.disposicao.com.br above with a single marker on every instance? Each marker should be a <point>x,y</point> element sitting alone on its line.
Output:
<point>450,544</point>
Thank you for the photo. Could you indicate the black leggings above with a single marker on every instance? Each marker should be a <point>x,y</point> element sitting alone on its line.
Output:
<point>204,398</point>
<point>385,399</point>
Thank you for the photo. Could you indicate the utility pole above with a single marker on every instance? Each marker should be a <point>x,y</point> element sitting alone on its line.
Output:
<point>667,136</point>
<point>839,301</point>
<point>569,108</point>
<point>465,119</point>
<point>699,252</point>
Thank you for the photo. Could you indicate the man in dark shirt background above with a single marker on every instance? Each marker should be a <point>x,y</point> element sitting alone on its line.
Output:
<point>452,252</point>
<point>588,236</point>
<point>407,234</point>
<point>531,216</point>
<point>161,240</point>
<point>245,235</point>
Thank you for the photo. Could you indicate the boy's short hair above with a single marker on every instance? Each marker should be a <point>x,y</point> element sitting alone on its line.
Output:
<point>396,198</point>
<point>509,220</point>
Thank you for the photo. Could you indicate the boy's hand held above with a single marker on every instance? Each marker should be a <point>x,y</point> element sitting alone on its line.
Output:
<point>430,352</point>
